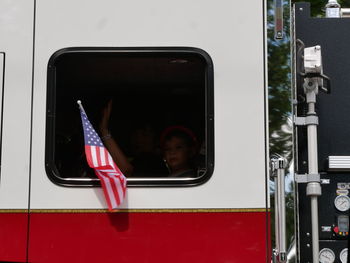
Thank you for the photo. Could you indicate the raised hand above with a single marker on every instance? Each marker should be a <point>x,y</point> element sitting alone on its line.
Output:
<point>106,114</point>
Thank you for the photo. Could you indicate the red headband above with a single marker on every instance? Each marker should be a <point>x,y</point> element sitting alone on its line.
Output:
<point>178,128</point>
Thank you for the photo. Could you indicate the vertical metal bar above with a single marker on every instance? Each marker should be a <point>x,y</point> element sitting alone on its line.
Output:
<point>278,19</point>
<point>313,186</point>
<point>314,229</point>
<point>282,211</point>
<point>277,217</point>
<point>278,172</point>
<point>312,83</point>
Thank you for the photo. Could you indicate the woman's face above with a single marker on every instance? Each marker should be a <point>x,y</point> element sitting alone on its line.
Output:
<point>177,154</point>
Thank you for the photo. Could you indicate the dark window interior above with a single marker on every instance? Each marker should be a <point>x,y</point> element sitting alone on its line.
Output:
<point>151,90</point>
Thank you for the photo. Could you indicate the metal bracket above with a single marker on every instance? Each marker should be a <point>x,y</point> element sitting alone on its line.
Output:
<point>302,121</point>
<point>277,163</point>
<point>307,178</point>
<point>279,19</point>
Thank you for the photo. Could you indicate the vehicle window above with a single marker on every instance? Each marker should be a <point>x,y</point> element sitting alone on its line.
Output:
<point>155,104</point>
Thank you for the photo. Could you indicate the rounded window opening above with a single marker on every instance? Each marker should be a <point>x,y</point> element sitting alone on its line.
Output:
<point>156,105</point>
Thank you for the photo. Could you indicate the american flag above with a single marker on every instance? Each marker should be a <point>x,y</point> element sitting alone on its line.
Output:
<point>112,179</point>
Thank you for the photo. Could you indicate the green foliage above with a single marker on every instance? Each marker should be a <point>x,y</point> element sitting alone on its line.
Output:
<point>279,86</point>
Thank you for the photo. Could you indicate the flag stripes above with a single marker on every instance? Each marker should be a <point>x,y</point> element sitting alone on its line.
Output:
<point>107,189</point>
<point>108,174</point>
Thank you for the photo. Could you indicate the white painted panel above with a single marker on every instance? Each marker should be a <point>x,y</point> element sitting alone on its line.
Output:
<point>16,34</point>
<point>233,39</point>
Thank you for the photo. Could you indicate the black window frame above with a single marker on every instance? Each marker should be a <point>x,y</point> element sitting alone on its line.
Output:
<point>50,166</point>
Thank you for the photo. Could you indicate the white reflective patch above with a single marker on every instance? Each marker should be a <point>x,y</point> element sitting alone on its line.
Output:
<point>94,157</point>
<point>102,157</point>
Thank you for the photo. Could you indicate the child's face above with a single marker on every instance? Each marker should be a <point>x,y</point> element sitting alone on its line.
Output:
<point>177,154</point>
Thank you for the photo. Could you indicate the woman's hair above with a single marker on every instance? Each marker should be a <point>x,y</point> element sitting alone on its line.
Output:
<point>180,132</point>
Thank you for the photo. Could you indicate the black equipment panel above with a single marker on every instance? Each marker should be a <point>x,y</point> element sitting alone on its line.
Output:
<point>333,110</point>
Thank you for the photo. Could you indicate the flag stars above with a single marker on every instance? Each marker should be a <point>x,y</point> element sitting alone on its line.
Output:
<point>91,136</point>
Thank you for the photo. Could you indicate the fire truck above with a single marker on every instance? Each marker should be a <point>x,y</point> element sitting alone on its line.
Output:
<point>189,63</point>
<point>198,64</point>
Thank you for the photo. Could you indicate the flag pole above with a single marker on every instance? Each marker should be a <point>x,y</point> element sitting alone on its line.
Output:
<point>97,156</point>
<point>81,106</point>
